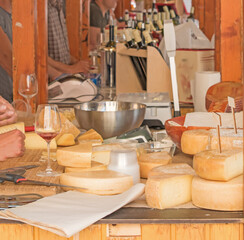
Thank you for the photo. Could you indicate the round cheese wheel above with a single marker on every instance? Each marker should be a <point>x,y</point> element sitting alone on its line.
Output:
<point>95,166</point>
<point>215,195</point>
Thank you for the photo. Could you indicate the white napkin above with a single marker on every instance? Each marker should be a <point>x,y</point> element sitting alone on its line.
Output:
<point>68,213</point>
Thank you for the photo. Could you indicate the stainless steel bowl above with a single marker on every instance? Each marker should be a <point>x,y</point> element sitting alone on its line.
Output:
<point>110,118</point>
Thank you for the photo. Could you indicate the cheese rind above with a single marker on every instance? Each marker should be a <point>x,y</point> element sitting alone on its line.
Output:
<point>95,166</point>
<point>67,139</point>
<point>215,195</point>
<point>75,156</point>
<point>34,141</point>
<point>147,161</point>
<point>91,135</point>
<point>213,165</point>
<point>105,182</point>
<point>168,190</point>
<point>195,141</point>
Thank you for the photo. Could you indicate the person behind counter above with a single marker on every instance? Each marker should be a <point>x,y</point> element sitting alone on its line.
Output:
<point>11,143</point>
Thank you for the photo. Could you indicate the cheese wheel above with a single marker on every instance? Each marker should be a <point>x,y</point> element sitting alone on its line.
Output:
<point>172,168</point>
<point>194,141</point>
<point>147,161</point>
<point>19,125</point>
<point>215,195</point>
<point>91,135</point>
<point>75,156</point>
<point>168,190</point>
<point>34,141</point>
<point>95,166</point>
<point>105,182</point>
<point>228,139</point>
<point>67,139</point>
<point>213,165</point>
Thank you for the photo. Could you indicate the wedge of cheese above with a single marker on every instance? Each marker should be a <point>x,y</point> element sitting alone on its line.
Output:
<point>105,182</point>
<point>67,139</point>
<point>168,190</point>
<point>94,142</point>
<point>75,156</point>
<point>147,161</point>
<point>95,166</point>
<point>172,168</point>
<point>91,135</point>
<point>10,127</point>
<point>34,141</point>
<point>213,165</point>
<point>215,195</point>
<point>194,141</point>
<point>228,139</point>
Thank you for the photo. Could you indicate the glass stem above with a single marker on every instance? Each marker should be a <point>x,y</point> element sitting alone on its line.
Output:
<point>48,169</point>
<point>28,106</point>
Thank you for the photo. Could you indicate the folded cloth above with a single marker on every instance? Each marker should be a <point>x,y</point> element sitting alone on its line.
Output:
<point>68,213</point>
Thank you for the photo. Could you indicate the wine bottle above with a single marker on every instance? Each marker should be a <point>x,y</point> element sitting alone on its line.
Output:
<point>129,41</point>
<point>111,43</point>
<point>191,16</point>
<point>144,13</point>
<point>160,26</point>
<point>138,39</point>
<point>126,17</point>
<point>139,17</point>
<point>163,17</point>
<point>155,19</point>
<point>167,13</point>
<point>175,19</point>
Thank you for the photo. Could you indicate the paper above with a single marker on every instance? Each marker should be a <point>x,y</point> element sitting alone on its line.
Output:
<point>68,213</point>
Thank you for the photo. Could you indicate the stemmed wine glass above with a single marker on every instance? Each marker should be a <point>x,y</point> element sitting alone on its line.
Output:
<point>48,126</point>
<point>28,88</point>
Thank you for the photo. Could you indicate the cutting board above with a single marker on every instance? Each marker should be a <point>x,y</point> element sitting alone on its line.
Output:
<point>30,157</point>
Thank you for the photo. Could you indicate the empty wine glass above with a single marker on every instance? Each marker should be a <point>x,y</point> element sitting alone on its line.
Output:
<point>48,126</point>
<point>28,88</point>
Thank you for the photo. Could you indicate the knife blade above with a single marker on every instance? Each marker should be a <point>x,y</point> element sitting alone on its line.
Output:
<point>13,169</point>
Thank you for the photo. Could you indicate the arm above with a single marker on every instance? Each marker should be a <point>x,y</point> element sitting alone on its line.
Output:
<point>7,113</point>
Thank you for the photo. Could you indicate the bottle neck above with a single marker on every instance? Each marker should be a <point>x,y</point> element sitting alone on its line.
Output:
<point>111,33</point>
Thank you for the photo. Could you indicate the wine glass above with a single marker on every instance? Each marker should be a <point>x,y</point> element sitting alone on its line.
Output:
<point>28,88</point>
<point>48,126</point>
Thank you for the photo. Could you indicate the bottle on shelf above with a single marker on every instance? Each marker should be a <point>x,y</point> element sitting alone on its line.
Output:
<point>139,18</point>
<point>155,19</point>
<point>126,17</point>
<point>167,13</point>
<point>163,17</point>
<point>138,39</point>
<point>160,26</point>
<point>191,16</point>
<point>129,41</point>
<point>144,13</point>
<point>111,43</point>
<point>175,18</point>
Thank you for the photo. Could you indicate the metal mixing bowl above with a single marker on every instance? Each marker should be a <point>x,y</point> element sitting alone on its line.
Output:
<point>110,118</point>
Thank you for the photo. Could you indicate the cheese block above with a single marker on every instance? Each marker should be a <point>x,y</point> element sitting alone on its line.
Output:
<point>75,156</point>
<point>67,139</point>
<point>34,141</point>
<point>215,195</point>
<point>194,141</point>
<point>10,127</point>
<point>95,166</point>
<point>105,182</point>
<point>147,161</point>
<point>94,142</point>
<point>168,190</point>
<point>213,165</point>
<point>172,168</point>
<point>228,139</point>
<point>91,135</point>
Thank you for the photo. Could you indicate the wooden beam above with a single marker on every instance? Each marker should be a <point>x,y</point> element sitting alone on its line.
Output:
<point>85,29</point>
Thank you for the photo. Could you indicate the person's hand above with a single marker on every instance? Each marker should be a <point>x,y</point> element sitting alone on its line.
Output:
<point>78,67</point>
<point>12,144</point>
<point>7,113</point>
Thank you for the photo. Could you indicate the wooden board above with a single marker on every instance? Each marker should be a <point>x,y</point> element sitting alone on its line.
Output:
<point>30,157</point>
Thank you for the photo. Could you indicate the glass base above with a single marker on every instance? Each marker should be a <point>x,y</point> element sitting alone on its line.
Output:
<point>48,174</point>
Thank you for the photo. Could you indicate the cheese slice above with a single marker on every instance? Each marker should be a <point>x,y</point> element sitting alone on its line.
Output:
<point>95,166</point>
<point>213,165</point>
<point>228,139</point>
<point>20,126</point>
<point>194,141</point>
<point>75,156</point>
<point>34,141</point>
<point>91,135</point>
<point>172,168</point>
<point>215,195</point>
<point>147,161</point>
<point>168,190</point>
<point>105,182</point>
<point>67,139</point>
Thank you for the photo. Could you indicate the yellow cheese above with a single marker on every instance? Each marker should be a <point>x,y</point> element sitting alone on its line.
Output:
<point>194,141</point>
<point>67,139</point>
<point>105,182</point>
<point>215,195</point>
<point>95,166</point>
<point>147,161</point>
<point>94,142</point>
<point>10,127</point>
<point>213,165</point>
<point>228,139</point>
<point>75,156</point>
<point>172,168</point>
<point>168,190</point>
<point>91,134</point>
<point>34,141</point>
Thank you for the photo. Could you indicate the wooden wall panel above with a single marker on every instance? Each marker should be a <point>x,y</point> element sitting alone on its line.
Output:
<point>16,232</point>
<point>122,5</point>
<point>85,29</point>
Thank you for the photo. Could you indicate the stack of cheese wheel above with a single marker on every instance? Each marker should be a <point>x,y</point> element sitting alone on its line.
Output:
<point>169,185</point>
<point>219,184</point>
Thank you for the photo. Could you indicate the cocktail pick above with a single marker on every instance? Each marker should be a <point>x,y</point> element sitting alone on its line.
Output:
<point>217,118</point>
<point>231,103</point>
